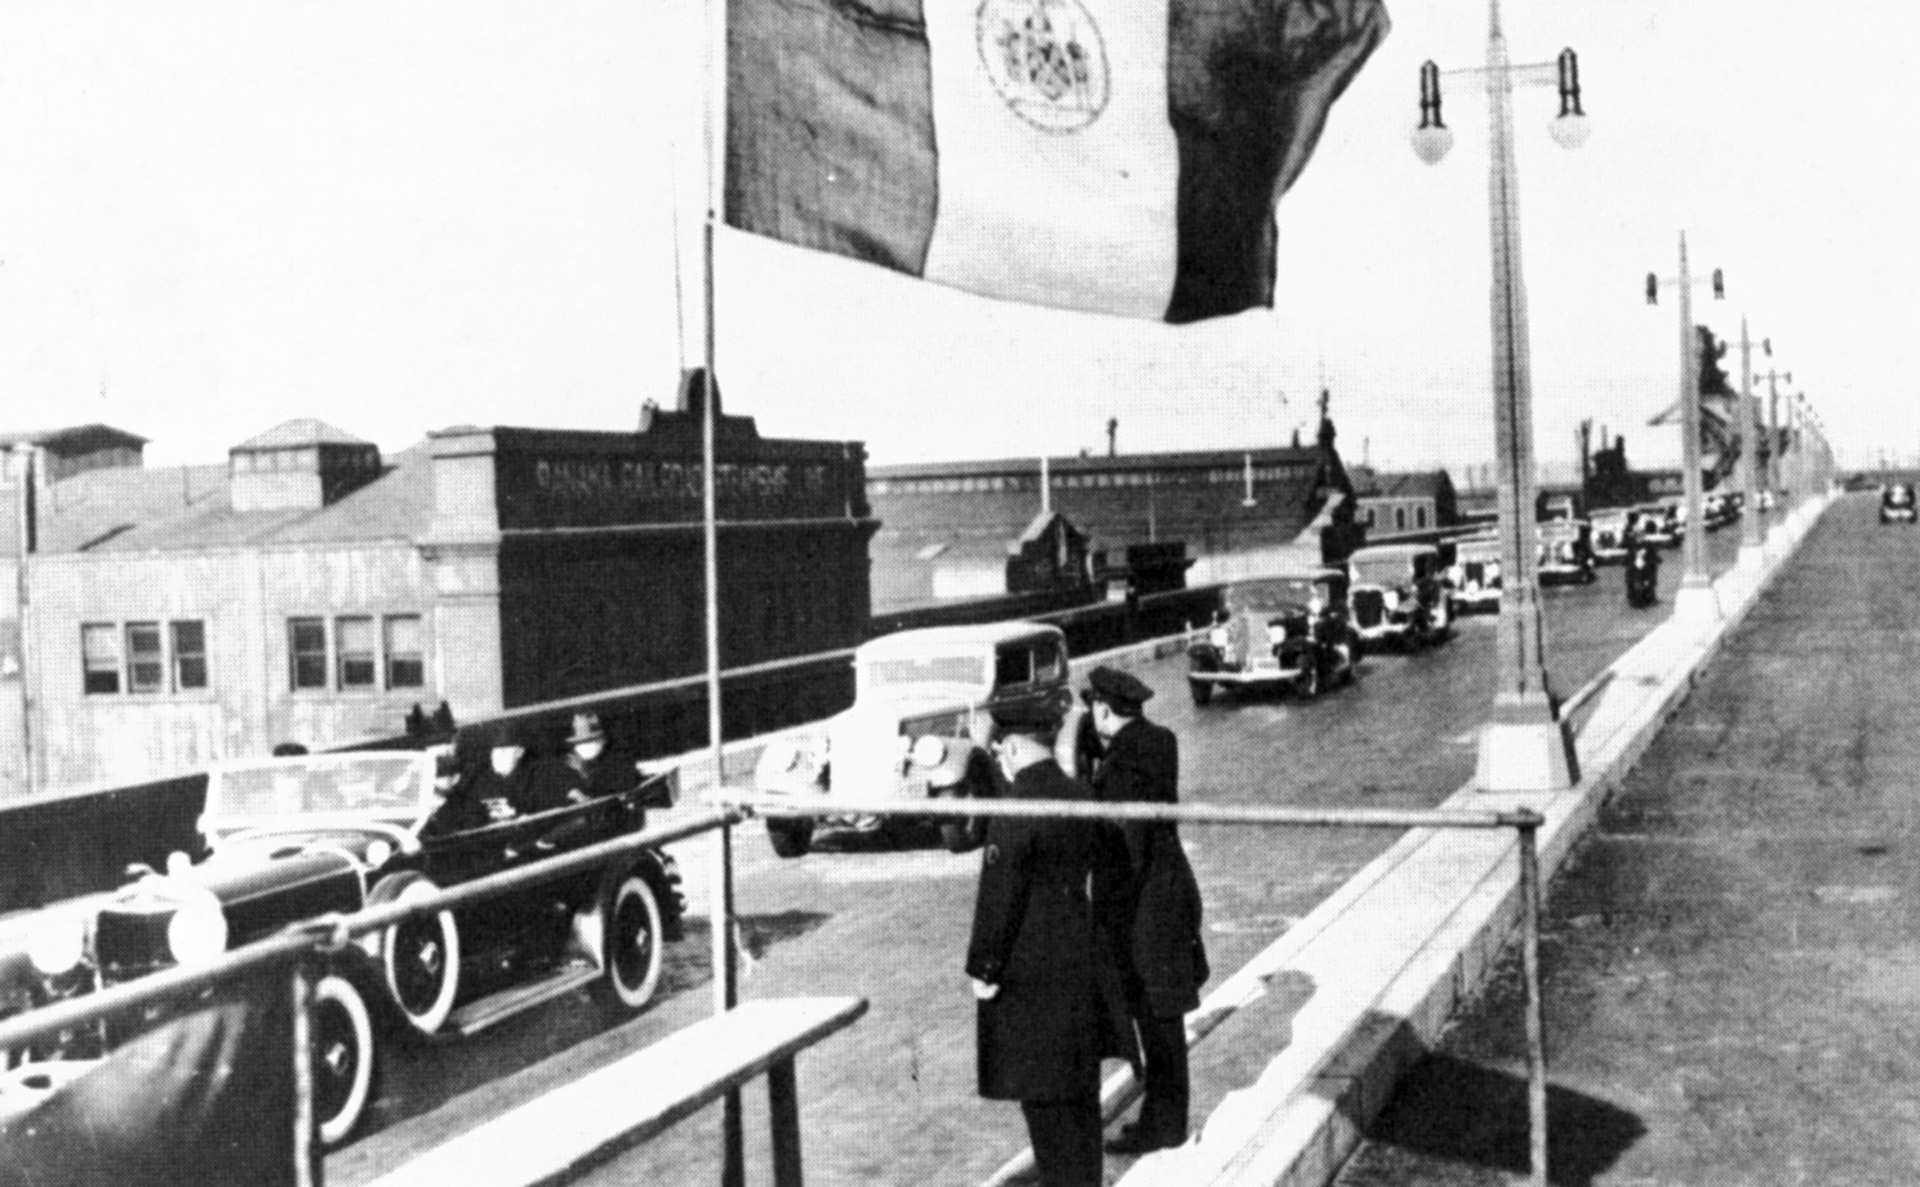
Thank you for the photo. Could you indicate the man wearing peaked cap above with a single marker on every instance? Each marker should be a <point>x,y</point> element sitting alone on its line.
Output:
<point>1148,903</point>
<point>1051,999</point>
<point>1123,690</point>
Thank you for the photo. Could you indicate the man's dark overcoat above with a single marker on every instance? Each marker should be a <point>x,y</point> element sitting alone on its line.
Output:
<point>1061,1005</point>
<point>1149,901</point>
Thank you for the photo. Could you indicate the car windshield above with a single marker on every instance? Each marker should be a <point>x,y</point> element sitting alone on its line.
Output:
<point>1285,591</point>
<point>893,671</point>
<point>1382,570</point>
<point>389,786</point>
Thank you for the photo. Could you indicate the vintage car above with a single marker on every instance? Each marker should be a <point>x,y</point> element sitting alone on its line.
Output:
<point>1897,504</point>
<point>1610,529</point>
<point>1288,632</point>
<point>1662,525</point>
<point>1473,581</point>
<point>1565,555</point>
<point>290,839</point>
<point>1720,509</point>
<point>1396,595</point>
<point>918,728</point>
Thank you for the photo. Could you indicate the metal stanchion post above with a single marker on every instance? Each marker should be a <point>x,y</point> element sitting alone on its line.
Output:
<point>1530,903</point>
<point>304,1168</point>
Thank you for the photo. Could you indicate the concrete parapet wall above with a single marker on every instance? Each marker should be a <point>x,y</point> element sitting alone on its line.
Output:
<point>1393,953</point>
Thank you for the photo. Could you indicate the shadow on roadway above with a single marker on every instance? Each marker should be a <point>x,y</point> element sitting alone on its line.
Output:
<point>1457,1123</point>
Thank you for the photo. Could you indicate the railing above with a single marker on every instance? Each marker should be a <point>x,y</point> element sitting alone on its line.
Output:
<point>300,946</point>
<point>1122,1089</point>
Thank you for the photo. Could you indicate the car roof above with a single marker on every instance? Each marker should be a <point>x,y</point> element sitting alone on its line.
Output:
<point>984,634</point>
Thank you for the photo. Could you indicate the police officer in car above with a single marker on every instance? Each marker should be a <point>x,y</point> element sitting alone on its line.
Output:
<point>1050,1001</point>
<point>1148,903</point>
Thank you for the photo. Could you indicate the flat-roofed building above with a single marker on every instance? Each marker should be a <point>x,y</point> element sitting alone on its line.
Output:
<point>947,528</point>
<point>312,591</point>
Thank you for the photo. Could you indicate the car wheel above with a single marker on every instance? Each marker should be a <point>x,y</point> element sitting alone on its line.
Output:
<point>343,1057</point>
<point>420,960</point>
<point>1202,691</point>
<point>630,948</point>
<point>790,838</point>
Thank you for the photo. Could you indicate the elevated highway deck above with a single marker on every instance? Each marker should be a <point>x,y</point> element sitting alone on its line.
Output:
<point>897,1104</point>
<point>1731,962</point>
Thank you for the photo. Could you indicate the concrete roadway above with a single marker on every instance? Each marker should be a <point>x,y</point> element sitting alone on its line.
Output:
<point>1732,961</point>
<point>892,1100</point>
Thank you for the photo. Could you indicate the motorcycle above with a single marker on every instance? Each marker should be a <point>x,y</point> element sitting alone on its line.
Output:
<point>1643,576</point>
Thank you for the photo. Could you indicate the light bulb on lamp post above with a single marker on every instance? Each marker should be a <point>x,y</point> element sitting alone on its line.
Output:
<point>1525,744</point>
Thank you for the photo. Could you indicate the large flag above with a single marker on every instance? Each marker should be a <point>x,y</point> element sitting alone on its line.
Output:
<point>1120,156</point>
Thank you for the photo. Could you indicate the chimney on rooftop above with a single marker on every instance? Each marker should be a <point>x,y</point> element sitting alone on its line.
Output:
<point>300,465</point>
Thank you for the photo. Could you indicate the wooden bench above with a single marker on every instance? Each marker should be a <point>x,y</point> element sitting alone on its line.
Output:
<point>588,1121</point>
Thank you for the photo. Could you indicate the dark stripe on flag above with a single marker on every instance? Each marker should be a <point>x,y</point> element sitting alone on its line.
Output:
<point>1249,86</point>
<point>830,140</point>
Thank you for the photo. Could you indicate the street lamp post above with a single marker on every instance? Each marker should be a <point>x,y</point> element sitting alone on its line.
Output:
<point>1525,745</point>
<point>1753,547</point>
<point>1695,597</point>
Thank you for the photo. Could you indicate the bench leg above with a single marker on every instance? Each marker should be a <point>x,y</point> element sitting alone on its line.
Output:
<point>783,1100</point>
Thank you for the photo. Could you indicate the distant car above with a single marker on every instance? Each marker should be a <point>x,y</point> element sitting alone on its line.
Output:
<point>1896,503</point>
<point>1720,509</point>
<point>1610,537</point>
<point>1473,581</point>
<point>1565,555</point>
<point>917,729</point>
<point>1663,525</point>
<point>294,838</point>
<point>1396,596</point>
<point>1288,632</point>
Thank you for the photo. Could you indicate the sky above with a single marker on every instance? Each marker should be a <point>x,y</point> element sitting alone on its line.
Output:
<point>399,216</point>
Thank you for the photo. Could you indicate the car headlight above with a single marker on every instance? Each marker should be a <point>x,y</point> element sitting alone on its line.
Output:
<point>56,943</point>
<point>1492,572</point>
<point>1393,599</point>
<point>1218,637</point>
<point>197,933</point>
<point>928,751</point>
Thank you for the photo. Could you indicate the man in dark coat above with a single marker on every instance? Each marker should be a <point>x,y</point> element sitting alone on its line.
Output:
<point>1148,902</point>
<point>1050,999</point>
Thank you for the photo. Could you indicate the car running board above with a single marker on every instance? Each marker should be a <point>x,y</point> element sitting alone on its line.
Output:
<point>478,1015</point>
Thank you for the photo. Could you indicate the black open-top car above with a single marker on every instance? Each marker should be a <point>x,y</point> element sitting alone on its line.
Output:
<point>294,838</point>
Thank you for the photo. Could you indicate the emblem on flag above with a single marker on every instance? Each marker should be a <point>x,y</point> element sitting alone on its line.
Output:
<point>1046,59</point>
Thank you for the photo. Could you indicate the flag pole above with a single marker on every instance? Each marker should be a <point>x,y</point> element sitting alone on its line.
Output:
<point>720,910</point>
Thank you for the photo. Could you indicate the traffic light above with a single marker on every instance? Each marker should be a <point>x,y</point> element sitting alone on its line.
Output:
<point>1719,286</point>
<point>1653,289</point>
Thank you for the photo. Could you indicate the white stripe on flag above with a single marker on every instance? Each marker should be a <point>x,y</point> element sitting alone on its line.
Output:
<point>1050,206</point>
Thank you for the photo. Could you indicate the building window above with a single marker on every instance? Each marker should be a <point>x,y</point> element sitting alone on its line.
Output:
<point>100,657</point>
<point>353,637</point>
<point>307,652</point>
<point>146,666</point>
<point>189,655</point>
<point>1399,519</point>
<point>1370,518</point>
<point>1420,516</point>
<point>406,658</point>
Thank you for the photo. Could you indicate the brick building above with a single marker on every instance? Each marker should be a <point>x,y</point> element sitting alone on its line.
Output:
<point>311,590</point>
